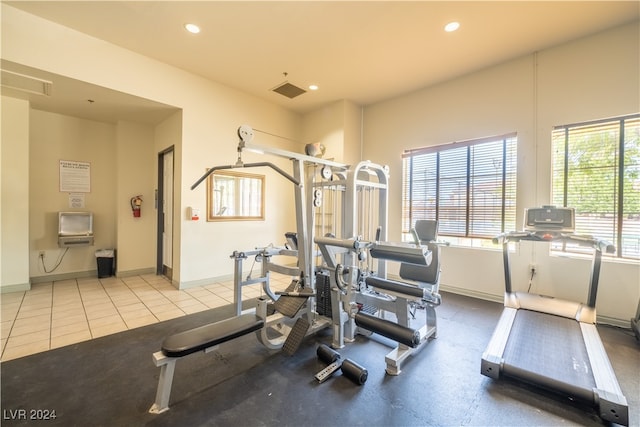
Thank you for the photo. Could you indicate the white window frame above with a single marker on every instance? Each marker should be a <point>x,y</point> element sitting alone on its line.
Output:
<point>617,142</point>
<point>479,189</point>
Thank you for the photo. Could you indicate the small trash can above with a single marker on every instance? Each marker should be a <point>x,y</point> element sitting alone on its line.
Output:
<point>106,261</point>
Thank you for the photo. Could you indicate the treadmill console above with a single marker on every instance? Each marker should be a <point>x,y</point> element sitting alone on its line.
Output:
<point>550,218</point>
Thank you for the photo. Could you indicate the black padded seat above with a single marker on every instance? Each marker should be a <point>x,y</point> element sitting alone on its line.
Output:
<point>203,337</point>
<point>426,275</point>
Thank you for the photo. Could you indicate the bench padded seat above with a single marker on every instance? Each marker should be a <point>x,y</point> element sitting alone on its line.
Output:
<point>203,337</point>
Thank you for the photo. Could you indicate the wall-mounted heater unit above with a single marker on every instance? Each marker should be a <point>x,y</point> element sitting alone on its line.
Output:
<point>75,229</point>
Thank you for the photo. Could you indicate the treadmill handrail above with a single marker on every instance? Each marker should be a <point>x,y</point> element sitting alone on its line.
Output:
<point>599,245</point>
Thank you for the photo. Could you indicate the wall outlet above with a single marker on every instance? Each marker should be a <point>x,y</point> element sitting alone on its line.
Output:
<point>533,267</point>
<point>41,254</point>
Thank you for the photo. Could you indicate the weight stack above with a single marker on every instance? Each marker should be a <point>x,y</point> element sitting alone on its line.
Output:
<point>323,294</point>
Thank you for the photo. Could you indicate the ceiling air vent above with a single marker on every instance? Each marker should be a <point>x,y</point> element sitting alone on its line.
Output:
<point>288,90</point>
<point>26,83</point>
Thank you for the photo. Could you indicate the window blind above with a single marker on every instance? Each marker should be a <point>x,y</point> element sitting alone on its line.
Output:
<point>596,170</point>
<point>469,187</point>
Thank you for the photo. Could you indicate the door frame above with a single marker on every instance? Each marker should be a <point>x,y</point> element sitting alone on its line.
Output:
<point>160,270</point>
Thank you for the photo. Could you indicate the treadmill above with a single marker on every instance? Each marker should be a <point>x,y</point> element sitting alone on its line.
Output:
<point>550,342</point>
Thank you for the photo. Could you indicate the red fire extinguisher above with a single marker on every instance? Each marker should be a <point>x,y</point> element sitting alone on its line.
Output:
<point>136,204</point>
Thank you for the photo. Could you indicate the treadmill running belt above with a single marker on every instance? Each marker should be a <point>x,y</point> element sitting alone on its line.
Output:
<point>549,350</point>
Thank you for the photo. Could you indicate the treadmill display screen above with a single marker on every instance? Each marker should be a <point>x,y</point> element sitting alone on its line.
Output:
<point>550,218</point>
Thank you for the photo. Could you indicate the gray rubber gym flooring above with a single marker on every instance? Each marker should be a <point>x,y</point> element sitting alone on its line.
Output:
<point>111,381</point>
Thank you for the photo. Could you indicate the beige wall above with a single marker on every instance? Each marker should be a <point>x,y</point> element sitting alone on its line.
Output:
<point>326,126</point>
<point>352,133</point>
<point>135,163</point>
<point>123,164</point>
<point>590,78</point>
<point>14,203</point>
<point>211,114</point>
<point>338,127</point>
<point>169,134</point>
<point>55,137</point>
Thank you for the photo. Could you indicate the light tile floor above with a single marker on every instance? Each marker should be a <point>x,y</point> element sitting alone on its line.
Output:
<point>56,314</point>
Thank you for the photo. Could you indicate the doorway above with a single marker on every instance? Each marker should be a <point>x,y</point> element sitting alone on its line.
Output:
<point>164,260</point>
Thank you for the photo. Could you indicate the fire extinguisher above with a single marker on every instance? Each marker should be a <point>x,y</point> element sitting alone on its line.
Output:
<point>136,204</point>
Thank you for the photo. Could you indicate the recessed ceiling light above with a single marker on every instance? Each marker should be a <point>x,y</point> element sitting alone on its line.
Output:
<point>192,28</point>
<point>451,26</point>
<point>313,87</point>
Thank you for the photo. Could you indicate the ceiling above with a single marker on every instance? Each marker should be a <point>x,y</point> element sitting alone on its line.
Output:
<point>362,51</point>
<point>84,100</point>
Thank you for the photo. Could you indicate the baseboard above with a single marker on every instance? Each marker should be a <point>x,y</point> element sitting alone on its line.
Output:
<point>18,287</point>
<point>136,272</point>
<point>90,273</point>
<point>471,293</point>
<point>605,320</point>
<point>462,291</point>
<point>64,276</point>
<point>203,282</point>
<point>620,323</point>
<point>635,326</point>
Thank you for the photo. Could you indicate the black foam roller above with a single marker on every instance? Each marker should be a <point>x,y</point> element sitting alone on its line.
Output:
<point>327,354</point>
<point>394,331</point>
<point>392,285</point>
<point>354,372</point>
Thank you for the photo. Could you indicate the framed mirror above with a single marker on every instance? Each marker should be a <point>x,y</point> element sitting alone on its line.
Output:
<point>235,196</point>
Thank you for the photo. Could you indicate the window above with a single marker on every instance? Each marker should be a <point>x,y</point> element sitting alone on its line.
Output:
<point>596,171</point>
<point>469,187</point>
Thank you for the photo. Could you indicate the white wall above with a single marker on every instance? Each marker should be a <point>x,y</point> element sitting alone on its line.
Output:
<point>122,158</point>
<point>135,163</point>
<point>211,114</point>
<point>55,137</point>
<point>169,134</point>
<point>326,126</point>
<point>14,202</point>
<point>338,126</point>
<point>590,78</point>
<point>527,95</point>
<point>352,133</point>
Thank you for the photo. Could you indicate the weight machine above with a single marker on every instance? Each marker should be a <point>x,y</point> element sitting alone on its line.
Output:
<point>340,278</point>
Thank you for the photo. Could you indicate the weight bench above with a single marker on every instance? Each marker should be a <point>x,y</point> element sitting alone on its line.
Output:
<point>207,338</point>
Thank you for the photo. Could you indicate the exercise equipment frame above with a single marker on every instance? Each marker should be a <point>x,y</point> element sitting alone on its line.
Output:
<point>533,321</point>
<point>351,248</point>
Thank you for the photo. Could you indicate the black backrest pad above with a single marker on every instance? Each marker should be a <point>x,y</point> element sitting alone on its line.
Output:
<point>427,230</point>
<point>200,338</point>
<point>420,273</point>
